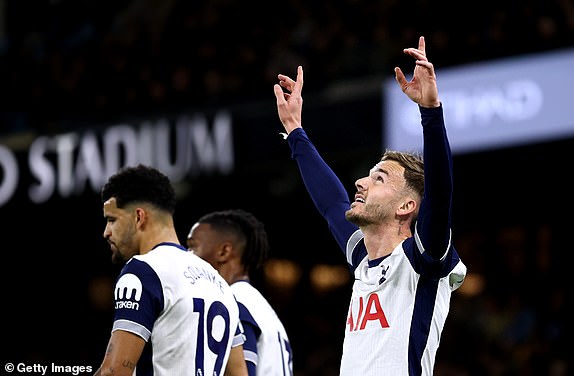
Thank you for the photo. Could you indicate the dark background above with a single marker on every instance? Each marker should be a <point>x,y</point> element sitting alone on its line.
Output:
<point>72,65</point>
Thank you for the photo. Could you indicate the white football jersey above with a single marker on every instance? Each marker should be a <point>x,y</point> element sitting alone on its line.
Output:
<point>397,311</point>
<point>274,355</point>
<point>182,308</point>
<point>399,303</point>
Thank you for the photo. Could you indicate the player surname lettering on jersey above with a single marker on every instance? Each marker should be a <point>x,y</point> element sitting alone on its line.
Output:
<point>193,274</point>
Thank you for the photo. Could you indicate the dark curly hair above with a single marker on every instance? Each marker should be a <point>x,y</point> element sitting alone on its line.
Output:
<point>247,228</point>
<point>140,184</point>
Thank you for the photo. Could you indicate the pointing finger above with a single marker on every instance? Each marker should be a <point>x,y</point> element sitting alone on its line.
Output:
<point>299,84</point>
<point>422,45</point>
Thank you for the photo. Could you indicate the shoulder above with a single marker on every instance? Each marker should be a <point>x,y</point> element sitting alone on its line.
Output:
<point>245,292</point>
<point>139,272</point>
<point>251,299</point>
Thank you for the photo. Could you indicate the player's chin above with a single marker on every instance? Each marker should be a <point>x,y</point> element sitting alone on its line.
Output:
<point>352,213</point>
<point>117,257</point>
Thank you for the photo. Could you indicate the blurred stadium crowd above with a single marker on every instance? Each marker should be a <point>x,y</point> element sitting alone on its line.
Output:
<point>99,59</point>
<point>102,58</point>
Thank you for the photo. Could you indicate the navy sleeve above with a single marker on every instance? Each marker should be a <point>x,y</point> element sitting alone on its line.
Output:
<point>251,335</point>
<point>252,332</point>
<point>434,220</point>
<point>326,190</point>
<point>139,298</point>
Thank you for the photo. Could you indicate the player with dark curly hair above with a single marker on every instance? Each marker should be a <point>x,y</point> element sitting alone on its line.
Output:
<point>174,313</point>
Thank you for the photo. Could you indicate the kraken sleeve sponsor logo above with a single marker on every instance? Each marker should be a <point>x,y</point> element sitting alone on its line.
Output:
<point>128,292</point>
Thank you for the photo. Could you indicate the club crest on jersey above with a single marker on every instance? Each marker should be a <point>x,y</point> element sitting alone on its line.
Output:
<point>383,273</point>
<point>371,311</point>
<point>128,292</point>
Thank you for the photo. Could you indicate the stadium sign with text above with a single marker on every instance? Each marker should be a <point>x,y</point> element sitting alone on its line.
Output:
<point>65,164</point>
<point>510,102</point>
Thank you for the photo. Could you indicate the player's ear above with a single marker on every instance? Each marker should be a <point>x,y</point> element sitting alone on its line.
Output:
<point>224,251</point>
<point>140,217</point>
<point>408,206</point>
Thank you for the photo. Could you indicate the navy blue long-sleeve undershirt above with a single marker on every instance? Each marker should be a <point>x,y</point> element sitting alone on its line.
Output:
<point>332,200</point>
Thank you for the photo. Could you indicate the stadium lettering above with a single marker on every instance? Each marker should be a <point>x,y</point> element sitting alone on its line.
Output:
<point>372,312</point>
<point>67,163</point>
<point>516,100</point>
<point>9,173</point>
<point>479,107</point>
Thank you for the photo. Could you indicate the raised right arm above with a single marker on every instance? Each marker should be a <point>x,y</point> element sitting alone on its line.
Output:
<point>326,190</point>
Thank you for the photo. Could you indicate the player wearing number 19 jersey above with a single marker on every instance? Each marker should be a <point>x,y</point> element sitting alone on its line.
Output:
<point>182,308</point>
<point>174,314</point>
<point>396,235</point>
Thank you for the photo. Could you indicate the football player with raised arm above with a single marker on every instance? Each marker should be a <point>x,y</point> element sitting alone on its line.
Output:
<point>395,235</point>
